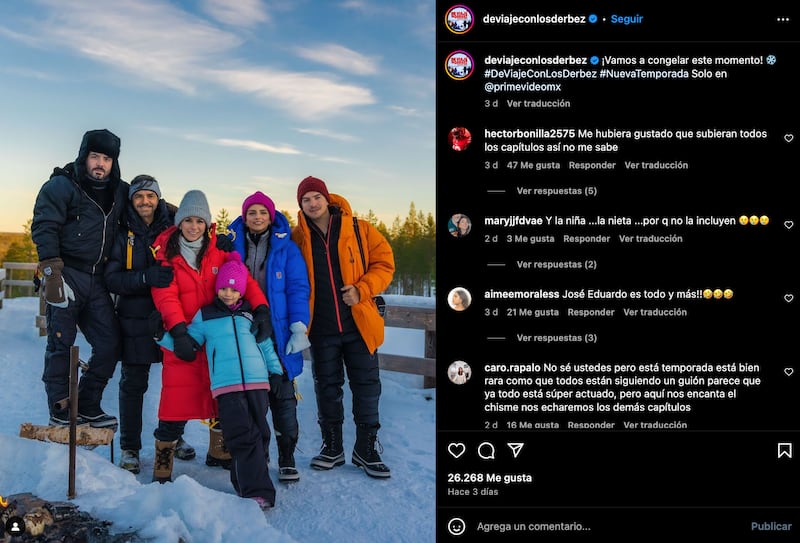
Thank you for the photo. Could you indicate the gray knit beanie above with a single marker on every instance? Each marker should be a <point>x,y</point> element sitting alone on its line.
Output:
<point>194,204</point>
<point>144,182</point>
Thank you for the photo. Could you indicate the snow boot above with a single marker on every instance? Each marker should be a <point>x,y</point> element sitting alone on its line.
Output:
<point>162,466</point>
<point>366,453</point>
<point>99,419</point>
<point>130,461</point>
<point>287,472</point>
<point>332,453</point>
<point>184,451</point>
<point>263,503</point>
<point>218,455</point>
<point>60,417</point>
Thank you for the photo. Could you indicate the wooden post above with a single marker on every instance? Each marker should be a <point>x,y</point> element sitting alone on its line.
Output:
<point>2,286</point>
<point>41,318</point>
<point>430,352</point>
<point>73,418</point>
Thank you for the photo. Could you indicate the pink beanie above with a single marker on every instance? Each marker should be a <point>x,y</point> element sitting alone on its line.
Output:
<point>233,273</point>
<point>310,184</point>
<point>259,197</point>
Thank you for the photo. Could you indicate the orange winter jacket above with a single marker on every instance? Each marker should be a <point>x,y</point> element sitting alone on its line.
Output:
<point>370,282</point>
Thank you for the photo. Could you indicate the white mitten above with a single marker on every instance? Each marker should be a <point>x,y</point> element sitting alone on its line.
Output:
<point>299,340</point>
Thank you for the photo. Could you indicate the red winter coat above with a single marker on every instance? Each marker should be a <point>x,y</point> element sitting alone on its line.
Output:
<point>185,386</point>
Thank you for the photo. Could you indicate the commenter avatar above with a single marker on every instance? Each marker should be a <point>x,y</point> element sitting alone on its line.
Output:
<point>459,372</point>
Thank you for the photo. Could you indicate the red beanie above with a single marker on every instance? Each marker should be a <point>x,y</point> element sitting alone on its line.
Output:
<point>259,198</point>
<point>311,184</point>
<point>233,273</point>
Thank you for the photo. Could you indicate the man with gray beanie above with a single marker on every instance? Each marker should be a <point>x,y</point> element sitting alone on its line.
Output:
<point>75,219</point>
<point>130,273</point>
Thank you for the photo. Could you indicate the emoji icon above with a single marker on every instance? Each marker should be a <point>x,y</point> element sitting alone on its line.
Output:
<point>727,293</point>
<point>717,293</point>
<point>456,526</point>
<point>753,220</point>
<point>764,220</point>
<point>707,294</point>
<point>3,502</point>
<point>743,220</point>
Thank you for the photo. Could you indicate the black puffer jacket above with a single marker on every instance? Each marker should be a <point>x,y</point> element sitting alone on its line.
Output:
<point>134,303</point>
<point>69,223</point>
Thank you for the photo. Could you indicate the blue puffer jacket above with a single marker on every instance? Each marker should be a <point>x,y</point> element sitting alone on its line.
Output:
<point>234,357</point>
<point>288,289</point>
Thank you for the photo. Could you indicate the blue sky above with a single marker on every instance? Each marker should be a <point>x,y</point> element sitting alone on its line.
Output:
<point>225,96</point>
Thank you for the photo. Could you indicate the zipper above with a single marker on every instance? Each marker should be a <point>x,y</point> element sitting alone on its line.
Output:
<point>238,349</point>
<point>105,224</point>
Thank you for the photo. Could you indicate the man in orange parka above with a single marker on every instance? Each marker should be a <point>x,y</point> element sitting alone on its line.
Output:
<point>346,328</point>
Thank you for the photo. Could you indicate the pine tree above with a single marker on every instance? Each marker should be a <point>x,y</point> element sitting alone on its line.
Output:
<point>414,245</point>
<point>24,250</point>
<point>289,217</point>
<point>223,221</point>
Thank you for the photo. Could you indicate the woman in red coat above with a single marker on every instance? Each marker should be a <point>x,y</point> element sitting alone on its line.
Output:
<point>191,248</point>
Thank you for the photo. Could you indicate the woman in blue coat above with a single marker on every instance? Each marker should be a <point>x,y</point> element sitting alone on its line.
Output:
<point>263,236</point>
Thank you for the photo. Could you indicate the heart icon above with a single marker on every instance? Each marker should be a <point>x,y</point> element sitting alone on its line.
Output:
<point>788,298</point>
<point>456,449</point>
<point>788,371</point>
<point>788,137</point>
<point>788,224</point>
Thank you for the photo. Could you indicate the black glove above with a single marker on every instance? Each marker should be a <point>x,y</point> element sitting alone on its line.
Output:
<point>262,327</point>
<point>185,346</point>
<point>156,325</point>
<point>157,276</point>
<point>224,243</point>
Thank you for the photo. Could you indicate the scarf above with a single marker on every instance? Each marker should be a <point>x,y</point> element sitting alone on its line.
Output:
<point>189,250</point>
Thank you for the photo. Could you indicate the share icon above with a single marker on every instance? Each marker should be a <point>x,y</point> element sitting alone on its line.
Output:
<point>515,448</point>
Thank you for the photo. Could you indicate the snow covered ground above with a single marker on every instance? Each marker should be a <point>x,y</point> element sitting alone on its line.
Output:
<point>199,506</point>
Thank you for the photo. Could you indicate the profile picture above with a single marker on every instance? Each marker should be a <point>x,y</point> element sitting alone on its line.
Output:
<point>459,299</point>
<point>459,225</point>
<point>459,19</point>
<point>459,372</point>
<point>459,138</point>
<point>459,65</point>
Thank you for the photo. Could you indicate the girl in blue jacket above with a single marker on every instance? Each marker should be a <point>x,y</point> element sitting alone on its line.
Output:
<point>263,236</point>
<point>240,370</point>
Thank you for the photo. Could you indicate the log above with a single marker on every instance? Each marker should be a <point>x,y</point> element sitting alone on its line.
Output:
<point>86,435</point>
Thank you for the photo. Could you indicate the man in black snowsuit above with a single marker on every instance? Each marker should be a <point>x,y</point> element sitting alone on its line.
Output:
<point>75,220</point>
